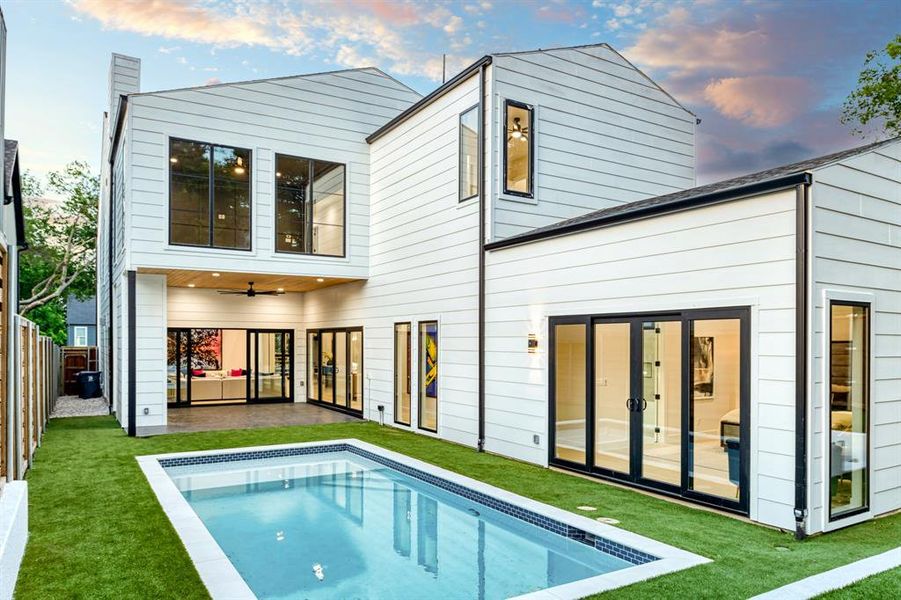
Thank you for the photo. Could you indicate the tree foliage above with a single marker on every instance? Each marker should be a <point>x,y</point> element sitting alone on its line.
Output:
<point>61,235</point>
<point>877,98</point>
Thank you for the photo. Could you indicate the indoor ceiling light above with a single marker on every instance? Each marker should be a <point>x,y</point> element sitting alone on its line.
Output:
<point>239,169</point>
<point>278,174</point>
<point>173,160</point>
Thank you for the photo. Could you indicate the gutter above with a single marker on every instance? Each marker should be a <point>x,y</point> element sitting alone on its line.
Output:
<point>120,118</point>
<point>802,244</point>
<point>625,215</point>
<point>482,214</point>
<point>427,100</point>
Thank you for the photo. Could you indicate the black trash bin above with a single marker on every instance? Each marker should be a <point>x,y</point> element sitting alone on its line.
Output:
<point>89,384</point>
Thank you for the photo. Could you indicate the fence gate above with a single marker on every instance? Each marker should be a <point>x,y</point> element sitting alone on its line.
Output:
<point>75,360</point>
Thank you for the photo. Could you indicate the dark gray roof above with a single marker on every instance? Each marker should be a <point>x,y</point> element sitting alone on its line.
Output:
<point>81,312</point>
<point>771,179</point>
<point>10,151</point>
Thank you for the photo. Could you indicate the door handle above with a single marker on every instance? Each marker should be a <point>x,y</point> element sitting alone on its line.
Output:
<point>644,405</point>
<point>630,404</point>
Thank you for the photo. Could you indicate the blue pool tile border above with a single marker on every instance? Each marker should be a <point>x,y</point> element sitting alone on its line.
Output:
<point>631,555</point>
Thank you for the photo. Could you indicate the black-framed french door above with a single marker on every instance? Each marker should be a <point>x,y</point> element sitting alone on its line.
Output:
<point>335,368</point>
<point>656,400</point>
<point>270,357</point>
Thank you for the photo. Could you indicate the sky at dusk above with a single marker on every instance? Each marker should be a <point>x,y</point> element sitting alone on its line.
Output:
<point>766,78</point>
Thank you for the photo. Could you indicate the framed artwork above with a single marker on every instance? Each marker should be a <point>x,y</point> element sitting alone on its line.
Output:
<point>206,349</point>
<point>431,360</point>
<point>702,367</point>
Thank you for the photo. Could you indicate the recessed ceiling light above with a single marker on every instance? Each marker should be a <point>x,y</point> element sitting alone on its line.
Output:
<point>215,274</point>
<point>320,279</point>
<point>280,290</point>
<point>190,285</point>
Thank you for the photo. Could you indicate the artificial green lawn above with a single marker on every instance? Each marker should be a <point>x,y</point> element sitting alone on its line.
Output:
<point>97,530</point>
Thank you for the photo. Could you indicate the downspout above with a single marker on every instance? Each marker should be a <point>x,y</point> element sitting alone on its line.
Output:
<point>802,244</point>
<point>132,356</point>
<point>482,214</point>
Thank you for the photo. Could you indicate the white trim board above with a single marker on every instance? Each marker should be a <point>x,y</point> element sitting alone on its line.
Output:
<point>224,582</point>
<point>835,579</point>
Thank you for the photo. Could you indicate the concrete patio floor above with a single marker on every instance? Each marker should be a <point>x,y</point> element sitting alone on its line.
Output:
<point>244,416</point>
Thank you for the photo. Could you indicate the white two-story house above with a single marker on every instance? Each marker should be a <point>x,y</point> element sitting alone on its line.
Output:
<point>519,262</point>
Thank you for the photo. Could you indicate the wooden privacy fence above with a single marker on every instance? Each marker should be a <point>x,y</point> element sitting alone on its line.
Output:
<point>30,386</point>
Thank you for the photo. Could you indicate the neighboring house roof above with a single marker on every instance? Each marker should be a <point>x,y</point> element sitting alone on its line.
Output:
<point>12,188</point>
<point>729,189</point>
<point>81,312</point>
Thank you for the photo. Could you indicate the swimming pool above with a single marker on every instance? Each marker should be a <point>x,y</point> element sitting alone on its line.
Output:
<point>348,519</point>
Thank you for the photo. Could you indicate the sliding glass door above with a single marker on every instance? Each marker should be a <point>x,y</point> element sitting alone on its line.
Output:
<point>655,400</point>
<point>335,368</point>
<point>271,365</point>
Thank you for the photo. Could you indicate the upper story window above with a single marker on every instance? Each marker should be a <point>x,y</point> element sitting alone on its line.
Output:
<point>209,195</point>
<point>518,149</point>
<point>80,335</point>
<point>309,206</point>
<point>469,153</point>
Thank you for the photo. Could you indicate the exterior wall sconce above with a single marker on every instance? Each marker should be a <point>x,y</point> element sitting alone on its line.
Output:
<point>533,343</point>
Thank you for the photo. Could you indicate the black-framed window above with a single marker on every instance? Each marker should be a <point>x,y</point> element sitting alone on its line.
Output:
<point>309,206</point>
<point>849,414</point>
<point>427,416</point>
<point>468,176</point>
<point>519,147</point>
<point>209,195</point>
<point>403,363</point>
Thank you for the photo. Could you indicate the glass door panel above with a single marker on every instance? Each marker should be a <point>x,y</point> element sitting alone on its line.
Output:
<point>356,370</point>
<point>177,367</point>
<point>327,367</point>
<point>714,436</point>
<point>403,361</point>
<point>341,370</point>
<point>661,401</point>
<point>569,392</point>
<point>313,366</point>
<point>612,394</point>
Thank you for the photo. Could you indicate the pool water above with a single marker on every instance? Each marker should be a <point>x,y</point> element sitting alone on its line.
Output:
<point>337,525</point>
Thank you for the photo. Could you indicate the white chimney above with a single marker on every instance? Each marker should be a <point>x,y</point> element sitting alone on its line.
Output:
<point>124,78</point>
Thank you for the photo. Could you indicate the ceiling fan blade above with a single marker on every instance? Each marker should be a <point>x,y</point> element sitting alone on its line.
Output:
<point>232,292</point>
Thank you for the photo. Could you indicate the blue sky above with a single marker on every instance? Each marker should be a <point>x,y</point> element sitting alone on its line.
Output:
<point>766,78</point>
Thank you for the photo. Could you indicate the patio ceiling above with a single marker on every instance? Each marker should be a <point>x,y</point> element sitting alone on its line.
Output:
<point>227,280</point>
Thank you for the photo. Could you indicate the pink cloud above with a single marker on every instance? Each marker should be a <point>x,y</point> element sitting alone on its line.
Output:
<point>761,100</point>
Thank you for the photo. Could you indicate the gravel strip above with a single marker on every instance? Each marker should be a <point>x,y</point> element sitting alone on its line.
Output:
<point>73,406</point>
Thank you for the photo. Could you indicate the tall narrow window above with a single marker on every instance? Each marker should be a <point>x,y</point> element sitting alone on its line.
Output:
<point>469,153</point>
<point>428,376</point>
<point>849,398</point>
<point>209,195</point>
<point>309,214</point>
<point>80,336</point>
<point>402,364</point>
<point>518,149</point>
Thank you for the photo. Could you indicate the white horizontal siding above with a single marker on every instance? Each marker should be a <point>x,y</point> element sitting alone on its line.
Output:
<point>857,249</point>
<point>423,266</point>
<point>150,357</point>
<point>738,253</point>
<point>604,135</point>
<point>325,117</point>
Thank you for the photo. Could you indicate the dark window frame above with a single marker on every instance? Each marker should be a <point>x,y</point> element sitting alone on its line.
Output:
<point>868,359</point>
<point>347,390</point>
<point>531,175</point>
<point>212,195</point>
<point>409,325</point>
<point>687,318</point>
<point>460,197</point>
<point>308,209</point>
<point>420,387</point>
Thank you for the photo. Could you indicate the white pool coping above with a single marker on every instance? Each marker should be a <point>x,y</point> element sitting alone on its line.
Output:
<point>225,583</point>
<point>835,579</point>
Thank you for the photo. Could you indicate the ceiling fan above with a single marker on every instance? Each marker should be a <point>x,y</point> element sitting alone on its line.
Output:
<point>250,292</point>
<point>518,132</point>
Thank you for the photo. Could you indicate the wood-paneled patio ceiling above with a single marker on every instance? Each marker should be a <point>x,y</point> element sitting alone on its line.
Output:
<point>238,281</point>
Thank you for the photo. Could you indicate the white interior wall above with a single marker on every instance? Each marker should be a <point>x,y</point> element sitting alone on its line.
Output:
<point>739,253</point>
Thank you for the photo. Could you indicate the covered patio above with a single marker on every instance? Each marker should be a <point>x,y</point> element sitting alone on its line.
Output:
<point>244,416</point>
